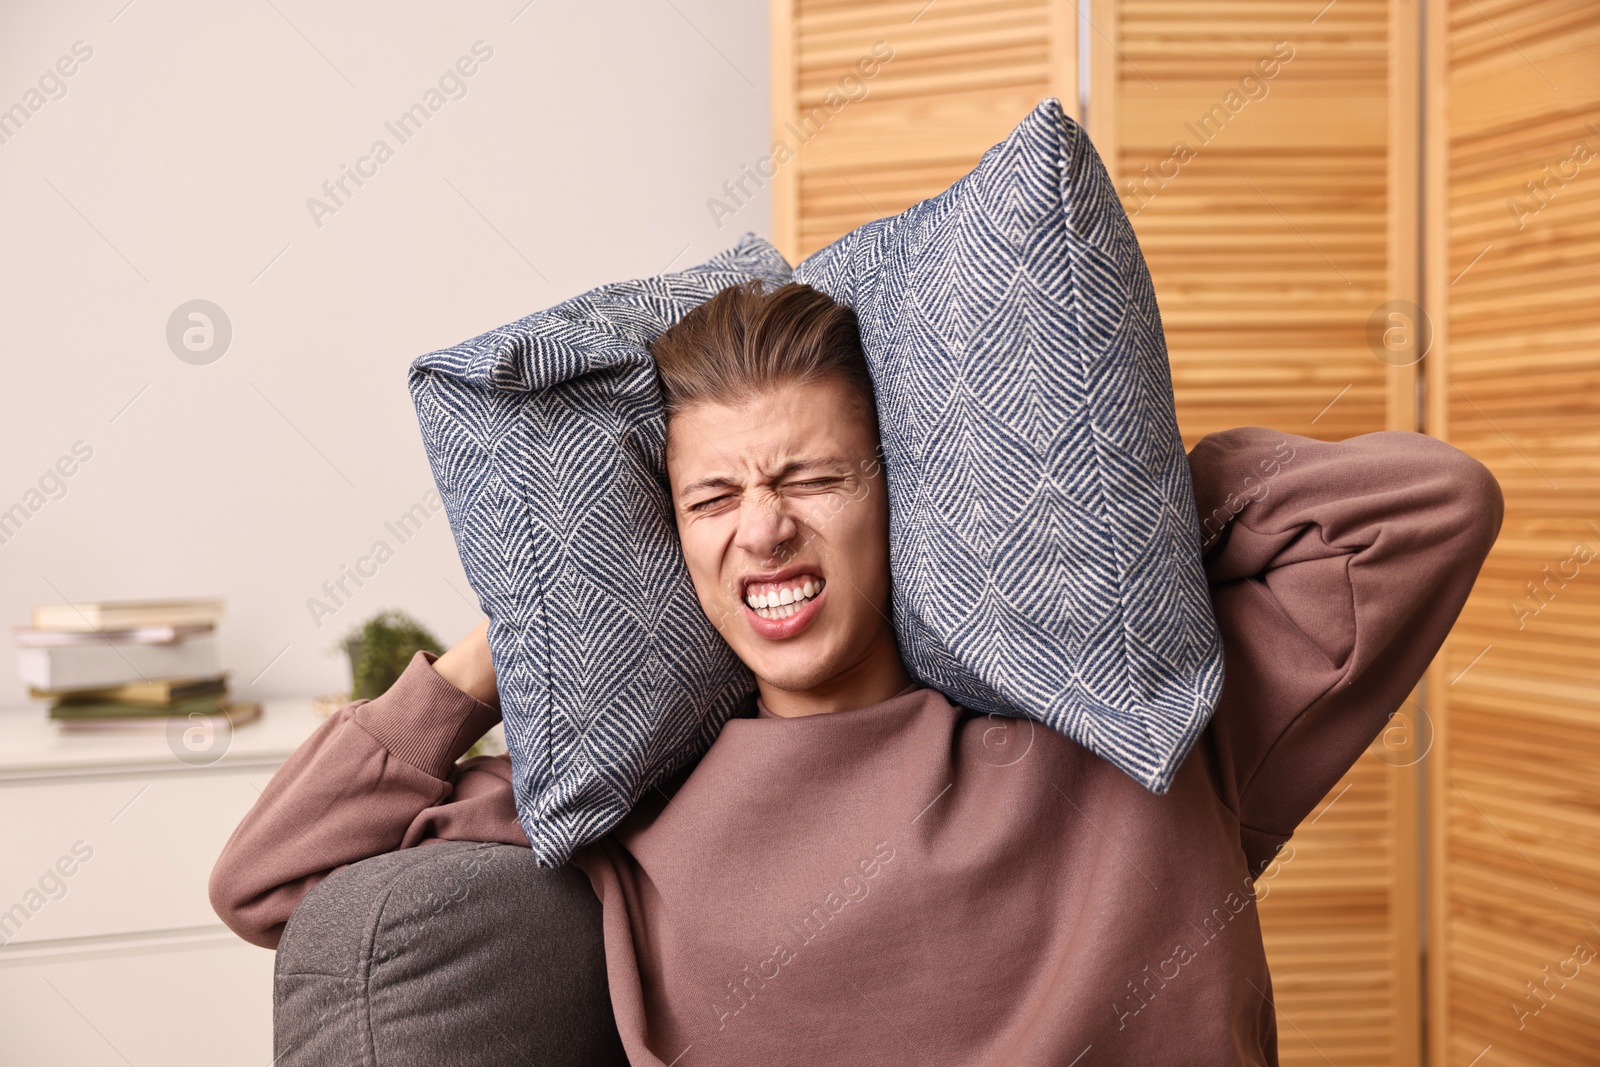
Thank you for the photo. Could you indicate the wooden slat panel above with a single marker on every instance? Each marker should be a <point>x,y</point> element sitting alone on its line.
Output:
<point>962,73</point>
<point>1515,784</point>
<point>1273,232</point>
<point>1153,120</point>
<point>1267,232</point>
<point>947,128</point>
<point>1327,917</point>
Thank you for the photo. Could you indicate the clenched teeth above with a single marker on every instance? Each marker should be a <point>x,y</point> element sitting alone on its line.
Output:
<point>780,602</point>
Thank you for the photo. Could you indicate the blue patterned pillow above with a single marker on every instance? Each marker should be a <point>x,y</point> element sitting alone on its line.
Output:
<point>1044,543</point>
<point>547,442</point>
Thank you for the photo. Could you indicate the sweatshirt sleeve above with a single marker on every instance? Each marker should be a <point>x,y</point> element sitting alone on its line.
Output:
<point>1336,570</point>
<point>369,780</point>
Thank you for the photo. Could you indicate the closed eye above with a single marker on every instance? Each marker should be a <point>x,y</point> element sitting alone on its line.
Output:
<point>812,483</point>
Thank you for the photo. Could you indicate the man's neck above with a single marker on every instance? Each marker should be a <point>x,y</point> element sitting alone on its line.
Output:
<point>875,678</point>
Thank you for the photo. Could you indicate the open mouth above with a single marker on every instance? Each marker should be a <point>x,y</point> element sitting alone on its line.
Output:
<point>781,604</point>
<point>779,600</point>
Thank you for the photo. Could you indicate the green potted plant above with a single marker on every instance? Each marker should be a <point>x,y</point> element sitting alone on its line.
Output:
<point>380,648</point>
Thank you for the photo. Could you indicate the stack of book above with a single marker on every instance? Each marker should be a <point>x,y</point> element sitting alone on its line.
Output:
<point>117,664</point>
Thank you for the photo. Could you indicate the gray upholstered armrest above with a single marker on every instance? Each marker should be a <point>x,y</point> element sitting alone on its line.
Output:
<point>447,953</point>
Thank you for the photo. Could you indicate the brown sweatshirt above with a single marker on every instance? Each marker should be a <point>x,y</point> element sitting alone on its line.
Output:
<point>913,882</point>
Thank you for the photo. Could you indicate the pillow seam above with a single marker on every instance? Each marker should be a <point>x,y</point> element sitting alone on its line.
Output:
<point>1072,165</point>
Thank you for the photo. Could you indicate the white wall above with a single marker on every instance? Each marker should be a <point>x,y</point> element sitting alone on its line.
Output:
<point>178,166</point>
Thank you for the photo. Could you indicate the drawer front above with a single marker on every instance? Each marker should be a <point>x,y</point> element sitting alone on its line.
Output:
<point>186,1007</point>
<point>105,856</point>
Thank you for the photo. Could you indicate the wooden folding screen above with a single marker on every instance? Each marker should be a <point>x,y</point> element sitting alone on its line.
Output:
<point>1514,283</point>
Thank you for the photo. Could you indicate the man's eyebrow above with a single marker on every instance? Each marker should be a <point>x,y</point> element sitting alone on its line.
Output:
<point>707,483</point>
<point>792,467</point>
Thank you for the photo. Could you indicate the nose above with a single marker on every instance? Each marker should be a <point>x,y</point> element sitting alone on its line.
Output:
<point>765,525</point>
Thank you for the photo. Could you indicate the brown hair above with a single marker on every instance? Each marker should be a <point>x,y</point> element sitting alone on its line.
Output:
<point>746,340</point>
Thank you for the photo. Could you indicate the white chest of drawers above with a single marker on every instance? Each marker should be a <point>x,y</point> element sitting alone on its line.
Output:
<point>109,950</point>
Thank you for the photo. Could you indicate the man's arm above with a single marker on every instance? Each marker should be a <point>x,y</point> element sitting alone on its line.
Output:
<point>374,778</point>
<point>1336,571</point>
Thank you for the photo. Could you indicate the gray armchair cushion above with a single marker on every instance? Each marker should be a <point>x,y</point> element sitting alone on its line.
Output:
<point>450,953</point>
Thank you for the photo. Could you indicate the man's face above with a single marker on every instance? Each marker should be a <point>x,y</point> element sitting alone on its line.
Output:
<point>783,514</point>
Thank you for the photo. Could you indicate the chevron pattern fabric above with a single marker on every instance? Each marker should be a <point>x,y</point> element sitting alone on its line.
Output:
<point>547,442</point>
<point>1044,543</point>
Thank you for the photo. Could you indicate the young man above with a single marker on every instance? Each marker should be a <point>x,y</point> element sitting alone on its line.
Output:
<point>858,870</point>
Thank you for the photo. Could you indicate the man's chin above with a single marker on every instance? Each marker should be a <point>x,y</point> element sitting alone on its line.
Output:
<point>793,674</point>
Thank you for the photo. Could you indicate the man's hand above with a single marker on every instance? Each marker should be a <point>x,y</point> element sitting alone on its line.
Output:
<point>469,667</point>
